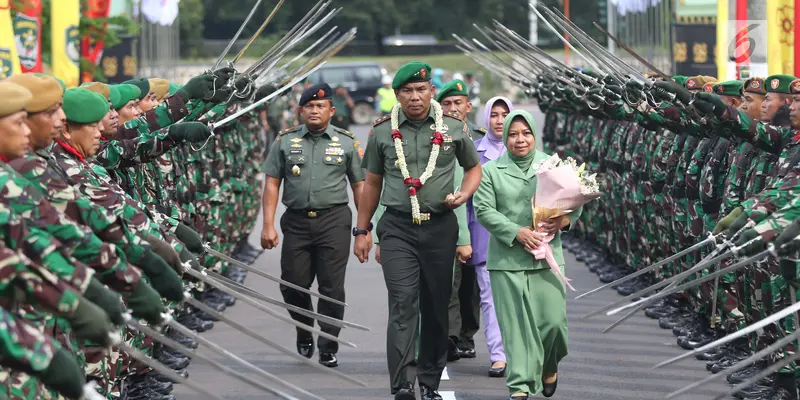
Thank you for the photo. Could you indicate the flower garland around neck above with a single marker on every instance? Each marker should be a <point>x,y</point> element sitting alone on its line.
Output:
<point>415,184</point>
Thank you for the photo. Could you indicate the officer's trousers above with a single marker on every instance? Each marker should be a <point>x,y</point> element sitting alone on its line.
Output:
<point>418,271</point>
<point>316,247</point>
<point>465,308</point>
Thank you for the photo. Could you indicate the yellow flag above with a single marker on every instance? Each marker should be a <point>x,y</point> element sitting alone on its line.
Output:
<point>9,59</point>
<point>780,36</point>
<point>64,21</point>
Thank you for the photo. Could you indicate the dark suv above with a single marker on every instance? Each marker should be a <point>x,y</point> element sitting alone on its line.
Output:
<point>362,79</point>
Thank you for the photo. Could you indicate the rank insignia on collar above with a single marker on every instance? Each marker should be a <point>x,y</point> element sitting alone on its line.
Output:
<point>335,138</point>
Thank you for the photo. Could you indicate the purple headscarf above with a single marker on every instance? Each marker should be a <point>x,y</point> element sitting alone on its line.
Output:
<point>491,145</point>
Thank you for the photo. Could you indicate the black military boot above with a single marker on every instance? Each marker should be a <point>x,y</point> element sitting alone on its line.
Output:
<point>194,323</point>
<point>146,383</point>
<point>184,340</point>
<point>698,339</point>
<point>752,391</point>
<point>743,375</point>
<point>678,318</point>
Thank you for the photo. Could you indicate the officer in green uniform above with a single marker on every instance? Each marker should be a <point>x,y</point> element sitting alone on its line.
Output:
<point>413,152</point>
<point>344,107</point>
<point>464,308</point>
<point>314,160</point>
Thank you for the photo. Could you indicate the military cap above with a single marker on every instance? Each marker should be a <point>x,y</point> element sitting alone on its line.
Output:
<point>98,87</point>
<point>14,98</point>
<point>60,82</point>
<point>127,93</point>
<point>83,106</point>
<point>143,85</point>
<point>113,94</point>
<point>320,91</point>
<point>45,90</point>
<point>709,87</point>
<point>729,88</point>
<point>755,86</point>
<point>794,88</point>
<point>159,86</point>
<point>415,71</point>
<point>697,82</point>
<point>680,79</point>
<point>173,88</point>
<point>456,87</point>
<point>778,83</point>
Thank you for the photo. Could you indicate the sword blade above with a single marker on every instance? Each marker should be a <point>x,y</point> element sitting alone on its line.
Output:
<point>258,32</point>
<point>631,313</point>
<point>162,369</point>
<point>255,304</point>
<point>648,269</point>
<point>738,366</point>
<point>186,331</point>
<point>236,36</point>
<point>258,296</point>
<point>133,324</point>
<point>633,53</point>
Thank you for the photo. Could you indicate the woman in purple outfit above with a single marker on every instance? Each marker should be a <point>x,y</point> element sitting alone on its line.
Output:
<point>489,148</point>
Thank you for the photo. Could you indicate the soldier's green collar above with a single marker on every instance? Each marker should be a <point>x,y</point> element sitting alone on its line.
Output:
<point>328,131</point>
<point>402,117</point>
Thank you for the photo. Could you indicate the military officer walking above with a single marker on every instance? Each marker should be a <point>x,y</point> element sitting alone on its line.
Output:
<point>314,161</point>
<point>413,152</point>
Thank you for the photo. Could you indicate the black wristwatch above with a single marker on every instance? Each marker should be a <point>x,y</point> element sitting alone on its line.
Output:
<point>357,231</point>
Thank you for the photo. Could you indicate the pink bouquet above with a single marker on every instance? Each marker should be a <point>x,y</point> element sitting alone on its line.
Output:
<point>561,188</point>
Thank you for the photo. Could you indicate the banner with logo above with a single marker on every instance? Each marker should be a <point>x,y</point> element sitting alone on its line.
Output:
<point>65,39</point>
<point>780,36</point>
<point>118,62</point>
<point>28,35</point>
<point>91,50</point>
<point>693,50</point>
<point>9,60</point>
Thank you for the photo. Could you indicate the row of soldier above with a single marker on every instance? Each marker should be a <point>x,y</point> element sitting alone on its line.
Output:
<point>119,192</point>
<point>689,160</point>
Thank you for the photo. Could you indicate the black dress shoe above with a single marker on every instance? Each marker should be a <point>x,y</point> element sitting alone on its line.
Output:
<point>328,359</point>
<point>427,393</point>
<point>467,352</point>
<point>549,389</point>
<point>497,372</point>
<point>452,350</point>
<point>305,348</point>
<point>406,392</point>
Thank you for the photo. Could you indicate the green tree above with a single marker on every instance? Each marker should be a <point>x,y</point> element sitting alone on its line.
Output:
<point>190,17</point>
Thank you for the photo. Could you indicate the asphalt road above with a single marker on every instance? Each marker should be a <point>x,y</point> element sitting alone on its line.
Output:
<point>612,366</point>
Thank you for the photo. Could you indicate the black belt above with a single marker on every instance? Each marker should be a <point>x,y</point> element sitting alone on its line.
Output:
<point>314,213</point>
<point>425,216</point>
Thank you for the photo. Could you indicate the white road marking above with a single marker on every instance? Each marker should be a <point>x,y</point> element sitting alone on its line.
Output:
<point>448,395</point>
<point>445,376</point>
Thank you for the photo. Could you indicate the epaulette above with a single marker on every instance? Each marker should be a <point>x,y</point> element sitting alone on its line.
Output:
<point>382,120</point>
<point>289,130</point>
<point>482,130</point>
<point>344,132</point>
<point>453,115</point>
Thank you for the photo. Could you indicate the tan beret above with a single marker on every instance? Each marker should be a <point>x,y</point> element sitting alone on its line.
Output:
<point>697,82</point>
<point>13,98</point>
<point>98,87</point>
<point>45,89</point>
<point>159,86</point>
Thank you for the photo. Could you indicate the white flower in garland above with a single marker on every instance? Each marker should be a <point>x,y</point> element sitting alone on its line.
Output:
<point>415,184</point>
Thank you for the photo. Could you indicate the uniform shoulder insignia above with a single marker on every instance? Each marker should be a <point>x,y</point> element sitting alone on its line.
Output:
<point>453,114</point>
<point>482,130</point>
<point>381,120</point>
<point>289,130</point>
<point>344,132</point>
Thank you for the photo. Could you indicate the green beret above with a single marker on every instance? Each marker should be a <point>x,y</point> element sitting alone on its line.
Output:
<point>778,83</point>
<point>415,71</point>
<point>729,88</point>
<point>113,94</point>
<point>455,87</point>
<point>680,79</point>
<point>755,86</point>
<point>84,106</point>
<point>60,82</point>
<point>126,93</point>
<point>794,88</point>
<point>142,84</point>
<point>173,88</point>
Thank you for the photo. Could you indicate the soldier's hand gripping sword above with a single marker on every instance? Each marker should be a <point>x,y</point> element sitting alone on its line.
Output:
<point>712,258</point>
<point>263,274</point>
<point>244,290</point>
<point>158,336</point>
<point>711,239</point>
<point>202,277</point>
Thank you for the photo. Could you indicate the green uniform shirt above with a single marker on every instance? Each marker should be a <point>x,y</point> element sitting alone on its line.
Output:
<point>476,131</point>
<point>380,159</point>
<point>313,166</point>
<point>342,109</point>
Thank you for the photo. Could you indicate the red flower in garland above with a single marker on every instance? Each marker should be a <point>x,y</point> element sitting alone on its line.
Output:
<point>412,191</point>
<point>797,137</point>
<point>407,181</point>
<point>413,182</point>
<point>437,139</point>
<point>396,134</point>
